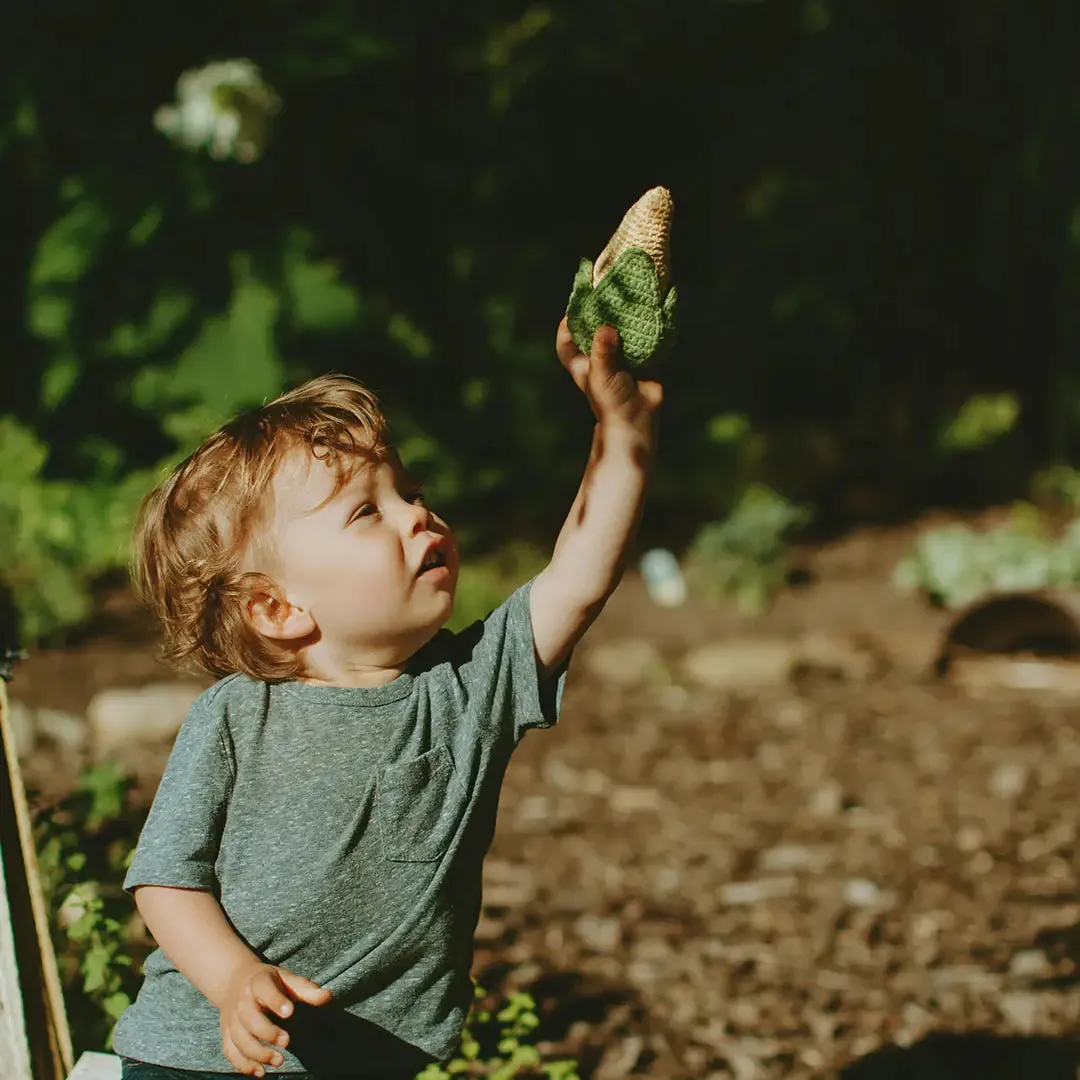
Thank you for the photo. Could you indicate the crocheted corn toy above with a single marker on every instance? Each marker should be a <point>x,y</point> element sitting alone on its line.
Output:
<point>629,286</point>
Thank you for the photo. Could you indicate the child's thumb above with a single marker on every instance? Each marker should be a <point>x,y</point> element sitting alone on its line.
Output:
<point>304,989</point>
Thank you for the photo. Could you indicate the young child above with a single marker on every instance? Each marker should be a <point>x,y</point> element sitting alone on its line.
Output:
<point>311,865</point>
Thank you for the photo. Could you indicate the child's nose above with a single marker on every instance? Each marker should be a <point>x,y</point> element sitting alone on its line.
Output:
<point>419,517</point>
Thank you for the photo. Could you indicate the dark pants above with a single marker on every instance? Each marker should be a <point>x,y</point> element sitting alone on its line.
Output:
<point>331,1044</point>
<point>144,1070</point>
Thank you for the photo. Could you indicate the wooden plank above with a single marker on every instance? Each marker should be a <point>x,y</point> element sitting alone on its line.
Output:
<point>94,1066</point>
<point>27,950</point>
<point>14,1049</point>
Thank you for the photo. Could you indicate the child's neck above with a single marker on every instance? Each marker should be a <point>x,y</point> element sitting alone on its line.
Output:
<point>358,676</point>
<point>324,665</point>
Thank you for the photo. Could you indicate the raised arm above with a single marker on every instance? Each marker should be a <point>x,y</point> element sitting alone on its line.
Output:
<point>590,553</point>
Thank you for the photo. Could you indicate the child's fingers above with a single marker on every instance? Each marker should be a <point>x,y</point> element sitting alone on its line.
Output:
<point>253,1048</point>
<point>652,392</point>
<point>243,1056</point>
<point>304,989</point>
<point>565,347</point>
<point>270,991</point>
<point>605,348</point>
<point>611,387</point>
<point>571,357</point>
<point>254,1019</point>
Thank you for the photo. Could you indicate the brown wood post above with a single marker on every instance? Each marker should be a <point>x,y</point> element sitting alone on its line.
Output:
<point>35,1043</point>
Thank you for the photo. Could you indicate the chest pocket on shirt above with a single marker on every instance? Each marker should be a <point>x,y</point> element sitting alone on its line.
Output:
<point>419,804</point>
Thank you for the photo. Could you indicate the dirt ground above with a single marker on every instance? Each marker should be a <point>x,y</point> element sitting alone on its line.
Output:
<point>859,870</point>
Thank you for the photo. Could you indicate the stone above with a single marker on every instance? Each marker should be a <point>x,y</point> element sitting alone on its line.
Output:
<point>1021,1010</point>
<point>120,717</point>
<point>969,977</point>
<point>22,725</point>
<point>535,811</point>
<point>744,1012</point>
<point>741,665</point>
<point>507,885</point>
<point>1030,964</point>
<point>635,799</point>
<point>794,859</point>
<point>754,892</point>
<point>602,933</point>
<point>65,729</point>
<point>915,1022</point>
<point>828,800</point>
<point>577,781</point>
<point>983,676</point>
<point>836,654</point>
<point>969,837</point>
<point>861,893</point>
<point>1009,780</point>
<point>791,715</point>
<point>626,662</point>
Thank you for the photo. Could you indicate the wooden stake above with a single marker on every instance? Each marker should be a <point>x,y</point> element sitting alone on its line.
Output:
<point>35,1043</point>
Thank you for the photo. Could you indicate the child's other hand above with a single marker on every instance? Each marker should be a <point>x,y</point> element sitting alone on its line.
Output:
<point>615,396</point>
<point>248,1035</point>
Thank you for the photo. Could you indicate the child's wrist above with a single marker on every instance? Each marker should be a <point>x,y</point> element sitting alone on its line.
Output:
<point>630,433</point>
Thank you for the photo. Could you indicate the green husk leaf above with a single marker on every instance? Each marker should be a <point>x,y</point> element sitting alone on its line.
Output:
<point>628,298</point>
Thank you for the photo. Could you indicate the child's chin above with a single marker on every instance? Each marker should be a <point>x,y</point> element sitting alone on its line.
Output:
<point>449,611</point>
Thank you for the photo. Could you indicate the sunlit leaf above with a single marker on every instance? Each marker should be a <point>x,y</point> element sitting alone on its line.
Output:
<point>404,332</point>
<point>318,298</point>
<point>232,364</point>
<point>982,419</point>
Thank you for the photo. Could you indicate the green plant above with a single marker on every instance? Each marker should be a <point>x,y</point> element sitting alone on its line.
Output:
<point>83,851</point>
<point>982,419</point>
<point>1057,488</point>
<point>955,564</point>
<point>494,1045</point>
<point>100,940</point>
<point>56,535</point>
<point>746,556</point>
<point>485,583</point>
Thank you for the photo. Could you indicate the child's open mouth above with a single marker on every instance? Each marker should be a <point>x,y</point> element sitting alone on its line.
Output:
<point>433,565</point>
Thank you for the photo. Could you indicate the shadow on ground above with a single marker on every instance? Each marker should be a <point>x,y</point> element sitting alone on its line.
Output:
<point>977,1056</point>
<point>586,1019</point>
<point>1061,944</point>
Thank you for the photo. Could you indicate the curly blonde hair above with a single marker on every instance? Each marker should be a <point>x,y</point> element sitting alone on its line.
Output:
<point>195,531</point>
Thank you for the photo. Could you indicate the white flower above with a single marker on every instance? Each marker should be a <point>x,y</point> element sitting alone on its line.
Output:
<point>224,106</point>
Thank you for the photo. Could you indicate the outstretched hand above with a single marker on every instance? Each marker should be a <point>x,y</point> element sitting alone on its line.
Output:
<point>616,397</point>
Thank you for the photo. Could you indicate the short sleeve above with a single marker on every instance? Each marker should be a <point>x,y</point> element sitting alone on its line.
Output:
<point>179,843</point>
<point>498,670</point>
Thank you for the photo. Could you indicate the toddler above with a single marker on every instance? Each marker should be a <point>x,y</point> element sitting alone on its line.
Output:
<point>310,868</point>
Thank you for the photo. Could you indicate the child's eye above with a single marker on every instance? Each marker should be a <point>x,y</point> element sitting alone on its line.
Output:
<point>365,511</point>
<point>416,496</point>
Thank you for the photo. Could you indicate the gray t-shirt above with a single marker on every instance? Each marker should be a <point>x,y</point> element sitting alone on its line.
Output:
<point>343,832</point>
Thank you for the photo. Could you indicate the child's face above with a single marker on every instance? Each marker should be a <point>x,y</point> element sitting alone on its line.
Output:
<point>355,563</point>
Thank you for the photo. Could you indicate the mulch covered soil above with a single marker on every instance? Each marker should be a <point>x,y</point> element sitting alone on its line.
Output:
<point>784,884</point>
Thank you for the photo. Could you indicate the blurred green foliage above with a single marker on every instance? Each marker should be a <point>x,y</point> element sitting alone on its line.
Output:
<point>84,845</point>
<point>955,564</point>
<point>877,246</point>
<point>56,534</point>
<point>745,556</point>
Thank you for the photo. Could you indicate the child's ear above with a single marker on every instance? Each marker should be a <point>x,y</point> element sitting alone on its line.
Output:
<point>274,617</point>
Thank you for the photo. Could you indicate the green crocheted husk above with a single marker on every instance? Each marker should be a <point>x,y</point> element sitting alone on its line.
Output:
<point>629,299</point>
